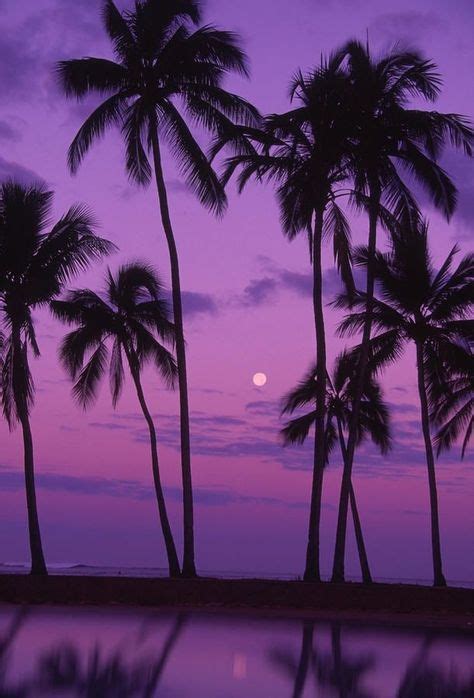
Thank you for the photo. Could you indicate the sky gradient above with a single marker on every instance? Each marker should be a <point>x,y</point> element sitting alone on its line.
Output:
<point>247,309</point>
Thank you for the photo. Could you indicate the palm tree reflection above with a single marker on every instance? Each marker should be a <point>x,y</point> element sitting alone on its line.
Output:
<point>423,678</point>
<point>7,640</point>
<point>337,674</point>
<point>100,676</point>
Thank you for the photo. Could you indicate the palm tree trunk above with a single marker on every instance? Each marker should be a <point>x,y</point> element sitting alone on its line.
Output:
<point>305,659</point>
<point>340,546</point>
<point>439,579</point>
<point>38,565</point>
<point>363,559</point>
<point>189,567</point>
<point>173,563</point>
<point>312,569</point>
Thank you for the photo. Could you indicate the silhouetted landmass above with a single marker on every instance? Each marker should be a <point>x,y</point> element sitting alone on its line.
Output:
<point>392,603</point>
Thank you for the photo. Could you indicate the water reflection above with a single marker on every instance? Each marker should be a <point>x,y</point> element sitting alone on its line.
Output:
<point>95,653</point>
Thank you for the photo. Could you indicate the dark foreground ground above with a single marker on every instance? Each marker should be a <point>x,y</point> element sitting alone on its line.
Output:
<point>385,603</point>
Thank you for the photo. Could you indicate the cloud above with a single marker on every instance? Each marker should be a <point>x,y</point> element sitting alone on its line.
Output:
<point>408,27</point>
<point>265,289</point>
<point>17,66</point>
<point>13,170</point>
<point>13,480</point>
<point>300,283</point>
<point>403,408</point>
<point>178,187</point>
<point>460,168</point>
<point>109,426</point>
<point>258,291</point>
<point>8,133</point>
<point>198,304</point>
<point>263,407</point>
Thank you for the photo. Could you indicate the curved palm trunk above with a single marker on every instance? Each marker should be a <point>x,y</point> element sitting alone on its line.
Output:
<point>189,567</point>
<point>173,563</point>
<point>439,579</point>
<point>340,546</point>
<point>363,559</point>
<point>304,661</point>
<point>38,565</point>
<point>312,569</point>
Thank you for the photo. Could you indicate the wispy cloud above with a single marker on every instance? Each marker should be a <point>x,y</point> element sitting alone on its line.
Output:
<point>13,480</point>
<point>13,170</point>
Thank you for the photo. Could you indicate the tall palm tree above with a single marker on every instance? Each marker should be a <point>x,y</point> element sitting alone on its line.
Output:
<point>304,152</point>
<point>133,318</point>
<point>390,140</point>
<point>35,263</point>
<point>415,303</point>
<point>374,423</point>
<point>166,72</point>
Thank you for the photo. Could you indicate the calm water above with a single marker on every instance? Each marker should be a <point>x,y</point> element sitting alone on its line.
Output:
<point>121,653</point>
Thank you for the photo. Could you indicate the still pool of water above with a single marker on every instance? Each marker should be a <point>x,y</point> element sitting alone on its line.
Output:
<point>126,653</point>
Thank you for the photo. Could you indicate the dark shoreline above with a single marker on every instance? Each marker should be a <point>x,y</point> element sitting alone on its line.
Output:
<point>395,604</point>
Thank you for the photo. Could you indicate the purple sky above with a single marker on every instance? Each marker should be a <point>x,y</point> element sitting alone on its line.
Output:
<point>248,310</point>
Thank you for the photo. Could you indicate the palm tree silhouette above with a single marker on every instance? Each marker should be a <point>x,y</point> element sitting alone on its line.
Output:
<point>163,68</point>
<point>34,265</point>
<point>340,673</point>
<point>329,671</point>
<point>304,152</point>
<point>391,139</point>
<point>374,423</point>
<point>424,678</point>
<point>414,303</point>
<point>134,319</point>
<point>452,394</point>
<point>297,670</point>
<point>103,676</point>
<point>7,640</point>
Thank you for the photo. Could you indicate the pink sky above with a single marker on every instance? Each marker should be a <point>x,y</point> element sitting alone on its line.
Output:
<point>248,311</point>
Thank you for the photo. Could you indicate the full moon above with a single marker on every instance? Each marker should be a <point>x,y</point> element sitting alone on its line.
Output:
<point>259,379</point>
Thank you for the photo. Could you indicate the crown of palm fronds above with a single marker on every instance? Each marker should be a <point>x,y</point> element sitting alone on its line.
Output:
<point>374,422</point>
<point>166,72</point>
<point>133,318</point>
<point>36,260</point>
<point>432,307</point>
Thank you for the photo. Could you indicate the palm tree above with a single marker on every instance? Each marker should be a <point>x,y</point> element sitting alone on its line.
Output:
<point>414,303</point>
<point>391,139</point>
<point>304,152</point>
<point>35,263</point>
<point>133,318</point>
<point>452,394</point>
<point>373,423</point>
<point>164,73</point>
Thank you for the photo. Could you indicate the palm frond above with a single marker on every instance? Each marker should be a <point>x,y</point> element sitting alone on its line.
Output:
<point>109,113</point>
<point>296,430</point>
<point>85,388</point>
<point>135,128</point>
<point>193,163</point>
<point>116,372</point>
<point>79,77</point>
